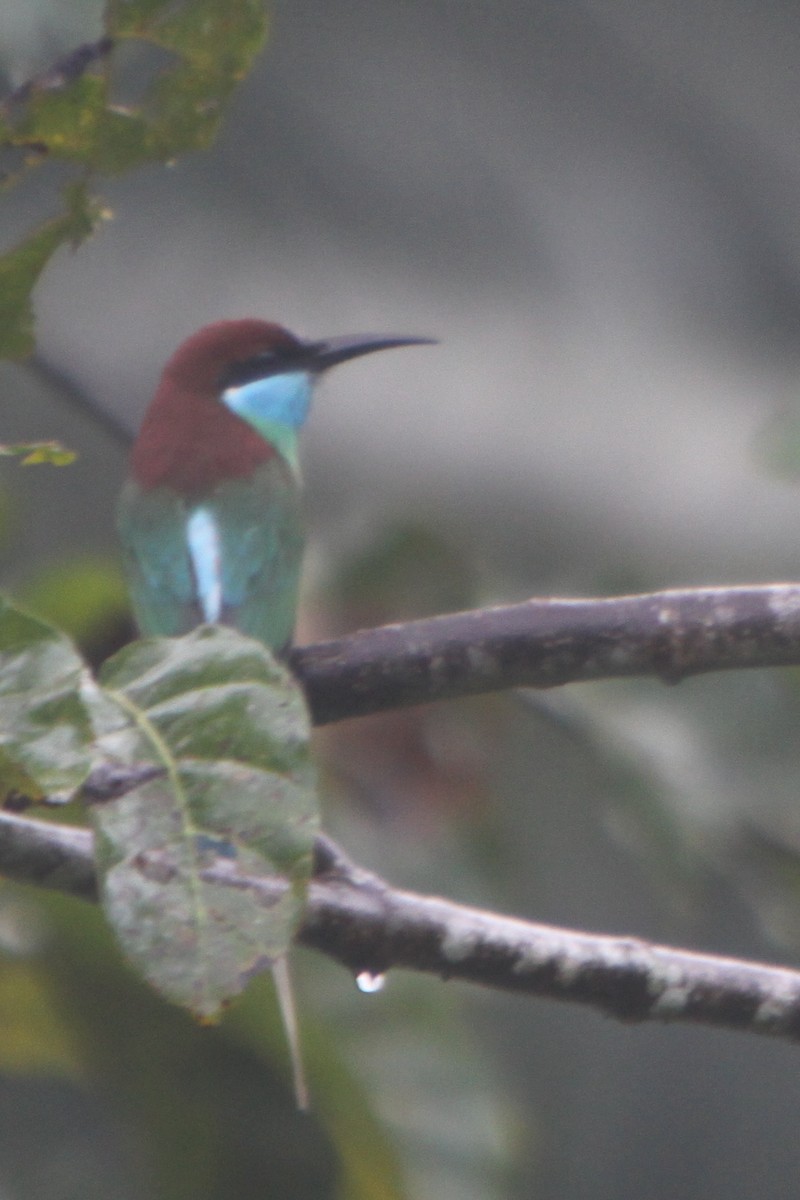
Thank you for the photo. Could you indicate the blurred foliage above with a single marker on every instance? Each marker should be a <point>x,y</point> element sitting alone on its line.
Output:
<point>406,570</point>
<point>768,872</point>
<point>35,453</point>
<point>36,1040</point>
<point>85,597</point>
<point>418,766</point>
<point>424,1078</point>
<point>413,792</point>
<point>777,446</point>
<point>206,1112</point>
<point>638,792</point>
<point>71,113</point>
<point>404,1102</point>
<point>424,773</point>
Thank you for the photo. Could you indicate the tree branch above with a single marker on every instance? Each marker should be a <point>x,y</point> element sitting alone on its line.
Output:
<point>546,643</point>
<point>356,918</point>
<point>362,922</point>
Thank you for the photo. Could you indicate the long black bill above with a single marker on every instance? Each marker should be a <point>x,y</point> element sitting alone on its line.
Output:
<point>296,355</point>
<point>336,350</point>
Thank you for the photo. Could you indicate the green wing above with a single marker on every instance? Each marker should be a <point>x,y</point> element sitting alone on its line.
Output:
<point>260,537</point>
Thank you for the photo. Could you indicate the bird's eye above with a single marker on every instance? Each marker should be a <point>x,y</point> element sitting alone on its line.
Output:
<point>237,374</point>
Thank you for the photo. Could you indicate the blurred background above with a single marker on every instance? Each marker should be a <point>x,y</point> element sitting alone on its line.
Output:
<point>593,207</point>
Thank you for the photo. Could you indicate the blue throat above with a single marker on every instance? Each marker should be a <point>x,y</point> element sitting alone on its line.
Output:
<point>274,400</point>
<point>276,407</point>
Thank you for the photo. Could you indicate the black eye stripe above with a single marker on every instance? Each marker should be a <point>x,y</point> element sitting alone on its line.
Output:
<point>261,366</point>
<point>238,374</point>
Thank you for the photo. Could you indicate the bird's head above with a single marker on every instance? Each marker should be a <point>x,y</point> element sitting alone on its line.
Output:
<point>234,380</point>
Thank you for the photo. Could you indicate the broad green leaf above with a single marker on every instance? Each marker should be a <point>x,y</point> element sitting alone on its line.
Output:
<point>45,725</point>
<point>34,453</point>
<point>230,730</point>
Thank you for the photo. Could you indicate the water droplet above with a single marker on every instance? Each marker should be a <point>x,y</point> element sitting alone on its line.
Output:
<point>368,983</point>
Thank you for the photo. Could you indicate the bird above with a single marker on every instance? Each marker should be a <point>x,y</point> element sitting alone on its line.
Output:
<point>211,517</point>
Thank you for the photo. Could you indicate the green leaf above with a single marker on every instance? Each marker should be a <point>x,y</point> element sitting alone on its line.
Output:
<point>230,730</point>
<point>34,453</point>
<point>76,123</point>
<point>45,724</point>
<point>215,44</point>
<point>21,267</point>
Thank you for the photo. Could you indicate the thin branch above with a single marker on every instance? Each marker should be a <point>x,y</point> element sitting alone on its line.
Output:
<point>60,857</point>
<point>546,643</point>
<point>356,918</point>
<point>72,394</point>
<point>63,72</point>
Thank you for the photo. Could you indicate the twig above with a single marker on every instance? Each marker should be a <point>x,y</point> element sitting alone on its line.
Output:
<point>546,643</point>
<point>63,72</point>
<point>363,923</point>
